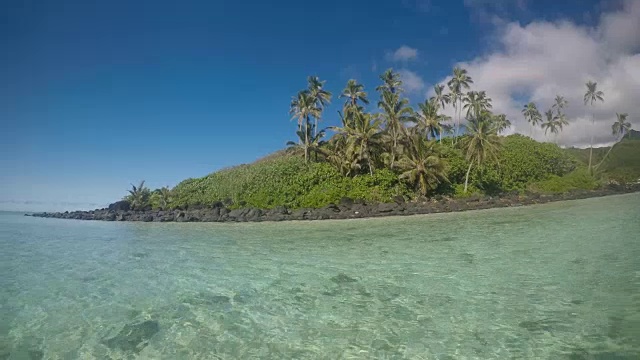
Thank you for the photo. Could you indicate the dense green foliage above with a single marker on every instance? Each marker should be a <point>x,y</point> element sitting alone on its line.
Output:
<point>286,180</point>
<point>576,180</point>
<point>521,161</point>
<point>397,150</point>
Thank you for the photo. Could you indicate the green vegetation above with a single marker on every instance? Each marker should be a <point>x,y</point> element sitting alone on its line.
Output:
<point>398,151</point>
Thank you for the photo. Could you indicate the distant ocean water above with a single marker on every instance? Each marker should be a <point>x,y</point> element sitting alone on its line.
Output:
<point>553,281</point>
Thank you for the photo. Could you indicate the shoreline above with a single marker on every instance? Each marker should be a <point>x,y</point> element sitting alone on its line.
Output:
<point>346,209</point>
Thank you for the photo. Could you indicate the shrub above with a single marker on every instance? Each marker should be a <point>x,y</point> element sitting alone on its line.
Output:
<point>577,180</point>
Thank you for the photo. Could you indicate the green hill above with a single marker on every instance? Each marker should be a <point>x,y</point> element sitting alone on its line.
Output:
<point>622,163</point>
<point>283,178</point>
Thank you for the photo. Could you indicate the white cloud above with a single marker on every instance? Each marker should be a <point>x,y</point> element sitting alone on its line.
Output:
<point>404,53</point>
<point>411,82</point>
<point>542,59</point>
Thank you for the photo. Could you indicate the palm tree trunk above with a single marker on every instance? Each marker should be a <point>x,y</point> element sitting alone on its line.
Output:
<point>605,155</point>
<point>593,120</point>
<point>466,178</point>
<point>306,141</point>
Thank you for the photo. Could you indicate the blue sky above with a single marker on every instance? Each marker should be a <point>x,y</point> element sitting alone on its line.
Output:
<point>95,95</point>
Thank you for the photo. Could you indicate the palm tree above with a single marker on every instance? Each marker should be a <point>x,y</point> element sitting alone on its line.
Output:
<point>441,99</point>
<point>390,82</point>
<point>481,143</point>
<point>164,197</point>
<point>422,164</point>
<point>592,96</point>
<point>320,96</point>
<point>395,113</point>
<point>476,103</point>
<point>551,122</point>
<point>554,123</point>
<point>303,107</point>
<point>501,123</point>
<point>458,82</point>
<point>532,115</point>
<point>621,127</point>
<point>353,93</point>
<point>307,141</point>
<point>429,122</point>
<point>559,104</point>
<point>138,196</point>
<point>362,138</point>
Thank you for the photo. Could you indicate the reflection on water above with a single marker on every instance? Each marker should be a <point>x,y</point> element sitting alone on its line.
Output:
<point>556,281</point>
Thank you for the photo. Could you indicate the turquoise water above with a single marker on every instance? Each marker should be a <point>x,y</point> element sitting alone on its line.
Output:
<point>554,281</point>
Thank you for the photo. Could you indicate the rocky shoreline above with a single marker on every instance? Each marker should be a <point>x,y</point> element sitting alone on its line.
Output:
<point>346,209</point>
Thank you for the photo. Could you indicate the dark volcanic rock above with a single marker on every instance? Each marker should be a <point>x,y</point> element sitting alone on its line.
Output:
<point>122,205</point>
<point>346,209</point>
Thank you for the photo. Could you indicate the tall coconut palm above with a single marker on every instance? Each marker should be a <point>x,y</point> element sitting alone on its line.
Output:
<point>303,107</point>
<point>459,82</point>
<point>476,102</point>
<point>395,113</point>
<point>619,128</point>
<point>554,123</point>
<point>354,92</point>
<point>307,141</point>
<point>441,98</point>
<point>559,104</point>
<point>138,196</point>
<point>532,115</point>
<point>320,96</point>
<point>362,138</point>
<point>481,143</point>
<point>390,82</point>
<point>501,123</point>
<point>592,96</point>
<point>550,123</point>
<point>428,120</point>
<point>422,165</point>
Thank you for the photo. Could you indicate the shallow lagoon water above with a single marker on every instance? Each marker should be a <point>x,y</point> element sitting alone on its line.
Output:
<point>553,281</point>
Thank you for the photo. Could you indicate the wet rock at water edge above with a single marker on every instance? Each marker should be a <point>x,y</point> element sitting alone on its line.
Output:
<point>134,337</point>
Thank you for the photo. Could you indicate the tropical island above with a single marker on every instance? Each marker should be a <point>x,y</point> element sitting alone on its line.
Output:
<point>398,160</point>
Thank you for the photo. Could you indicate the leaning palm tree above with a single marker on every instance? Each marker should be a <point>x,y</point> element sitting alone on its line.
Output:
<point>532,115</point>
<point>422,164</point>
<point>441,98</point>
<point>390,82</point>
<point>138,196</point>
<point>592,96</point>
<point>619,128</point>
<point>429,121</point>
<point>395,113</point>
<point>481,143</point>
<point>320,96</point>
<point>457,84</point>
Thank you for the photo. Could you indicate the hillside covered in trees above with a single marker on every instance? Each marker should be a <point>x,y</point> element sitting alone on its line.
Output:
<point>401,151</point>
